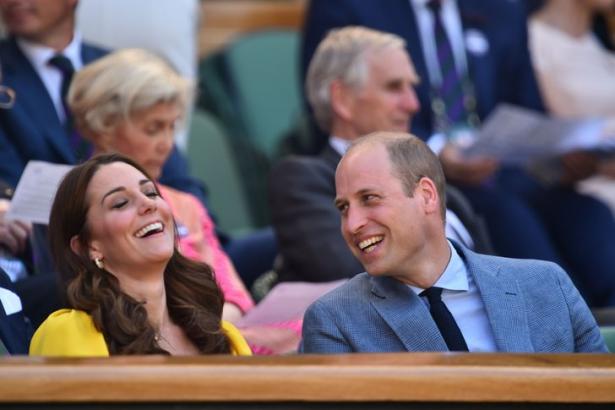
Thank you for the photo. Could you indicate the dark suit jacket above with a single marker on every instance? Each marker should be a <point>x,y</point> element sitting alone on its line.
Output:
<point>502,74</point>
<point>532,306</point>
<point>32,130</point>
<point>15,330</point>
<point>307,224</point>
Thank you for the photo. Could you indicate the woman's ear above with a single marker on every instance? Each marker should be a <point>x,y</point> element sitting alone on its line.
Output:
<point>75,245</point>
<point>101,141</point>
<point>77,248</point>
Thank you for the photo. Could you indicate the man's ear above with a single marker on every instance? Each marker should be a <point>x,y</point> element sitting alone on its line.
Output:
<point>342,100</point>
<point>427,191</point>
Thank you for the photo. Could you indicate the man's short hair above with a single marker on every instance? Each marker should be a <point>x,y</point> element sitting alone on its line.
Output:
<point>411,160</point>
<point>342,56</point>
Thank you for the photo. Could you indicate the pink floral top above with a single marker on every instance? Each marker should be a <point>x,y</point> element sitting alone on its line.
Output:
<point>197,240</point>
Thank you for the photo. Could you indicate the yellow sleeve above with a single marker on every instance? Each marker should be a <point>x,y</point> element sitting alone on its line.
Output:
<point>68,332</point>
<point>239,346</point>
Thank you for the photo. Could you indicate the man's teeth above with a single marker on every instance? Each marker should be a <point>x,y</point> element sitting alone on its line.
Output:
<point>156,226</point>
<point>367,244</point>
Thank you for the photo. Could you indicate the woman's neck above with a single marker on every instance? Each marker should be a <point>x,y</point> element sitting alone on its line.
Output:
<point>151,291</point>
<point>572,17</point>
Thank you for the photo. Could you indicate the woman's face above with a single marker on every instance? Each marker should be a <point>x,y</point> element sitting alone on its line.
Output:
<point>148,137</point>
<point>131,226</point>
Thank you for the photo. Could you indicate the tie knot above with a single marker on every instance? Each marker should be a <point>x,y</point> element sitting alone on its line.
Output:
<point>432,294</point>
<point>62,63</point>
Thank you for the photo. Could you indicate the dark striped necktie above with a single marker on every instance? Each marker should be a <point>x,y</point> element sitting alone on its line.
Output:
<point>450,90</point>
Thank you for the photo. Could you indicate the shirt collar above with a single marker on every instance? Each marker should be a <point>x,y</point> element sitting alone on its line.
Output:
<point>340,145</point>
<point>39,54</point>
<point>454,277</point>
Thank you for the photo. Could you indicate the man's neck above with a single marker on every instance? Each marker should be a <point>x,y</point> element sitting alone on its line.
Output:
<point>57,38</point>
<point>429,266</point>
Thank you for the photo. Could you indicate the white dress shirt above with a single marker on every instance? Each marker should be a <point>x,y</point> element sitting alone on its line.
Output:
<point>39,57</point>
<point>461,297</point>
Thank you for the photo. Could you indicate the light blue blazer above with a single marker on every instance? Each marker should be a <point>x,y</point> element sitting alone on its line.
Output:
<point>532,306</point>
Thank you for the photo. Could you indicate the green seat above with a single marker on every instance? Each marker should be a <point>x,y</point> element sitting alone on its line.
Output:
<point>608,332</point>
<point>263,73</point>
<point>212,161</point>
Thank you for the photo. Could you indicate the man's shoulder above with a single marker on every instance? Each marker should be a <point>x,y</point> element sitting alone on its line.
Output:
<point>521,270</point>
<point>359,286</point>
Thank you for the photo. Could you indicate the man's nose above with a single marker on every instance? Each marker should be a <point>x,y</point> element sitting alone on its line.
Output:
<point>354,220</point>
<point>410,101</point>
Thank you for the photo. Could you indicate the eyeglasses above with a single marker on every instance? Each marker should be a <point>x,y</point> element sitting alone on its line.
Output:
<point>7,97</point>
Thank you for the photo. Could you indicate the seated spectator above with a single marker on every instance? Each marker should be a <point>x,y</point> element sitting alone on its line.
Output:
<point>39,58</point>
<point>129,102</point>
<point>15,329</point>
<point>472,56</point>
<point>422,292</point>
<point>576,75</point>
<point>115,24</point>
<point>130,290</point>
<point>359,81</point>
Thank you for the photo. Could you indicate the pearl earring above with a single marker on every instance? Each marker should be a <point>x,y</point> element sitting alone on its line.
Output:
<point>99,262</point>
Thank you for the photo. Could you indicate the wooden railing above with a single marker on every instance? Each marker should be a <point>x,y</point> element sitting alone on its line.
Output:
<point>223,20</point>
<point>358,381</point>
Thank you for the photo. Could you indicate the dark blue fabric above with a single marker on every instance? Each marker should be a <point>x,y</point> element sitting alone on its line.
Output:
<point>15,330</point>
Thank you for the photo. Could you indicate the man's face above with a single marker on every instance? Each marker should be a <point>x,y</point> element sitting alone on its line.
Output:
<point>34,19</point>
<point>387,101</point>
<point>384,227</point>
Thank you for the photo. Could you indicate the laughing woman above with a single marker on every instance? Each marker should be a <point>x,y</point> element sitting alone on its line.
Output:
<point>131,292</point>
<point>129,102</point>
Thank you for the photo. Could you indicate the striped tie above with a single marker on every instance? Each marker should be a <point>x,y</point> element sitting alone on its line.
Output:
<point>451,90</point>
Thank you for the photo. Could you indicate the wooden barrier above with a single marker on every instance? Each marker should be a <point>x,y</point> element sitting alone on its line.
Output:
<point>223,20</point>
<point>421,380</point>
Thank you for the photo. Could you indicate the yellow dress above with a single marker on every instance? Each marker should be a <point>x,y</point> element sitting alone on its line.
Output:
<point>69,332</point>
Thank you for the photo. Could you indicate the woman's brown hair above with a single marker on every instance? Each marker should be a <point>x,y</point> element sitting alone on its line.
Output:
<point>194,299</point>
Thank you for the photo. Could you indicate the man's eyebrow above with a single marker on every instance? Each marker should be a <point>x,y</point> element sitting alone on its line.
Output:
<point>145,181</point>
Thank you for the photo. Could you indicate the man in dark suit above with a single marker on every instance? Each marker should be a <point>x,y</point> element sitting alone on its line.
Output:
<point>488,52</point>
<point>38,127</point>
<point>361,81</point>
<point>422,292</point>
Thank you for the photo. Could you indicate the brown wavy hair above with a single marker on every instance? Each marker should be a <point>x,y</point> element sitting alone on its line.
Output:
<point>194,300</point>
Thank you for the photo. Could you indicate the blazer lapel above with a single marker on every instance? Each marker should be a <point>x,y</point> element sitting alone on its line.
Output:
<point>406,315</point>
<point>504,303</point>
<point>34,99</point>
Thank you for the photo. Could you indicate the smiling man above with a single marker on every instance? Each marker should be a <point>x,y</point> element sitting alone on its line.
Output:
<point>360,81</point>
<point>422,292</point>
